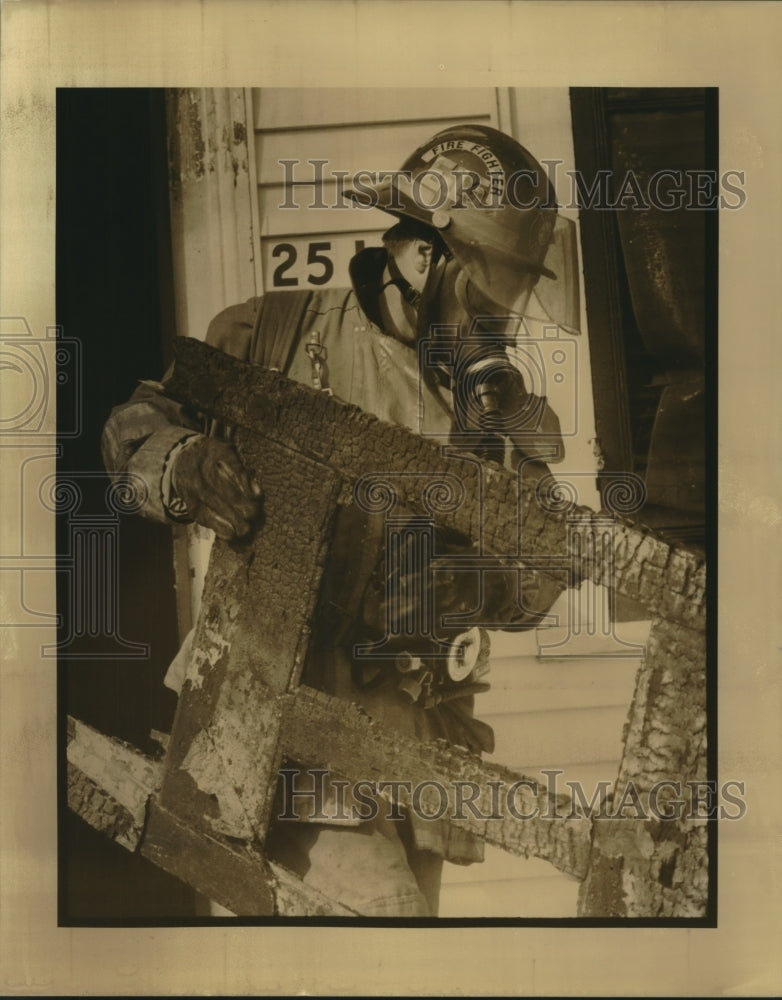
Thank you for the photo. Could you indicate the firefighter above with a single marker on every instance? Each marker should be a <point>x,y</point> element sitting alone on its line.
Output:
<point>473,215</point>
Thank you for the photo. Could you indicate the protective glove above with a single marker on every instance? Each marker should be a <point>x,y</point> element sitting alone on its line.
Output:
<point>215,487</point>
<point>392,598</point>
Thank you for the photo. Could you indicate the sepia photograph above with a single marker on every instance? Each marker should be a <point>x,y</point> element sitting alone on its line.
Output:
<point>390,498</point>
<point>384,584</point>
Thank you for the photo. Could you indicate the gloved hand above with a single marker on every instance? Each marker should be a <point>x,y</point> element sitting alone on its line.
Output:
<point>394,598</point>
<point>496,594</point>
<point>215,487</point>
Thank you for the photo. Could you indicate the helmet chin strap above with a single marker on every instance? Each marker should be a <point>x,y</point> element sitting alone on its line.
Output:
<point>409,294</point>
<point>429,295</point>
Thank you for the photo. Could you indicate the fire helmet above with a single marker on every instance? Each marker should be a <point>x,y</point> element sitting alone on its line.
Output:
<point>488,198</point>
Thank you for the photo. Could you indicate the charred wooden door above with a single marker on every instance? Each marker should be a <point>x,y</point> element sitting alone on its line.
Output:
<point>204,815</point>
<point>649,192</point>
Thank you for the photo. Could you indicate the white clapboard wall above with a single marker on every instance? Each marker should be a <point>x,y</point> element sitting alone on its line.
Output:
<point>561,707</point>
<point>552,709</point>
<point>309,231</point>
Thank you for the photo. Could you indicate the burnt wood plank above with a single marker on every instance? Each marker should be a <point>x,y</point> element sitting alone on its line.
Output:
<point>338,736</point>
<point>113,787</point>
<point>249,645</point>
<point>109,783</point>
<point>657,867</point>
<point>234,875</point>
<point>668,580</point>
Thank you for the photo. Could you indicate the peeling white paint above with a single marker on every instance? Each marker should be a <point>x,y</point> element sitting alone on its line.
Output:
<point>127,776</point>
<point>211,650</point>
<point>205,767</point>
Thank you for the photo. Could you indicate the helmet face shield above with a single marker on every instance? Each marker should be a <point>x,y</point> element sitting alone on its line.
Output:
<point>502,273</point>
<point>559,301</point>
